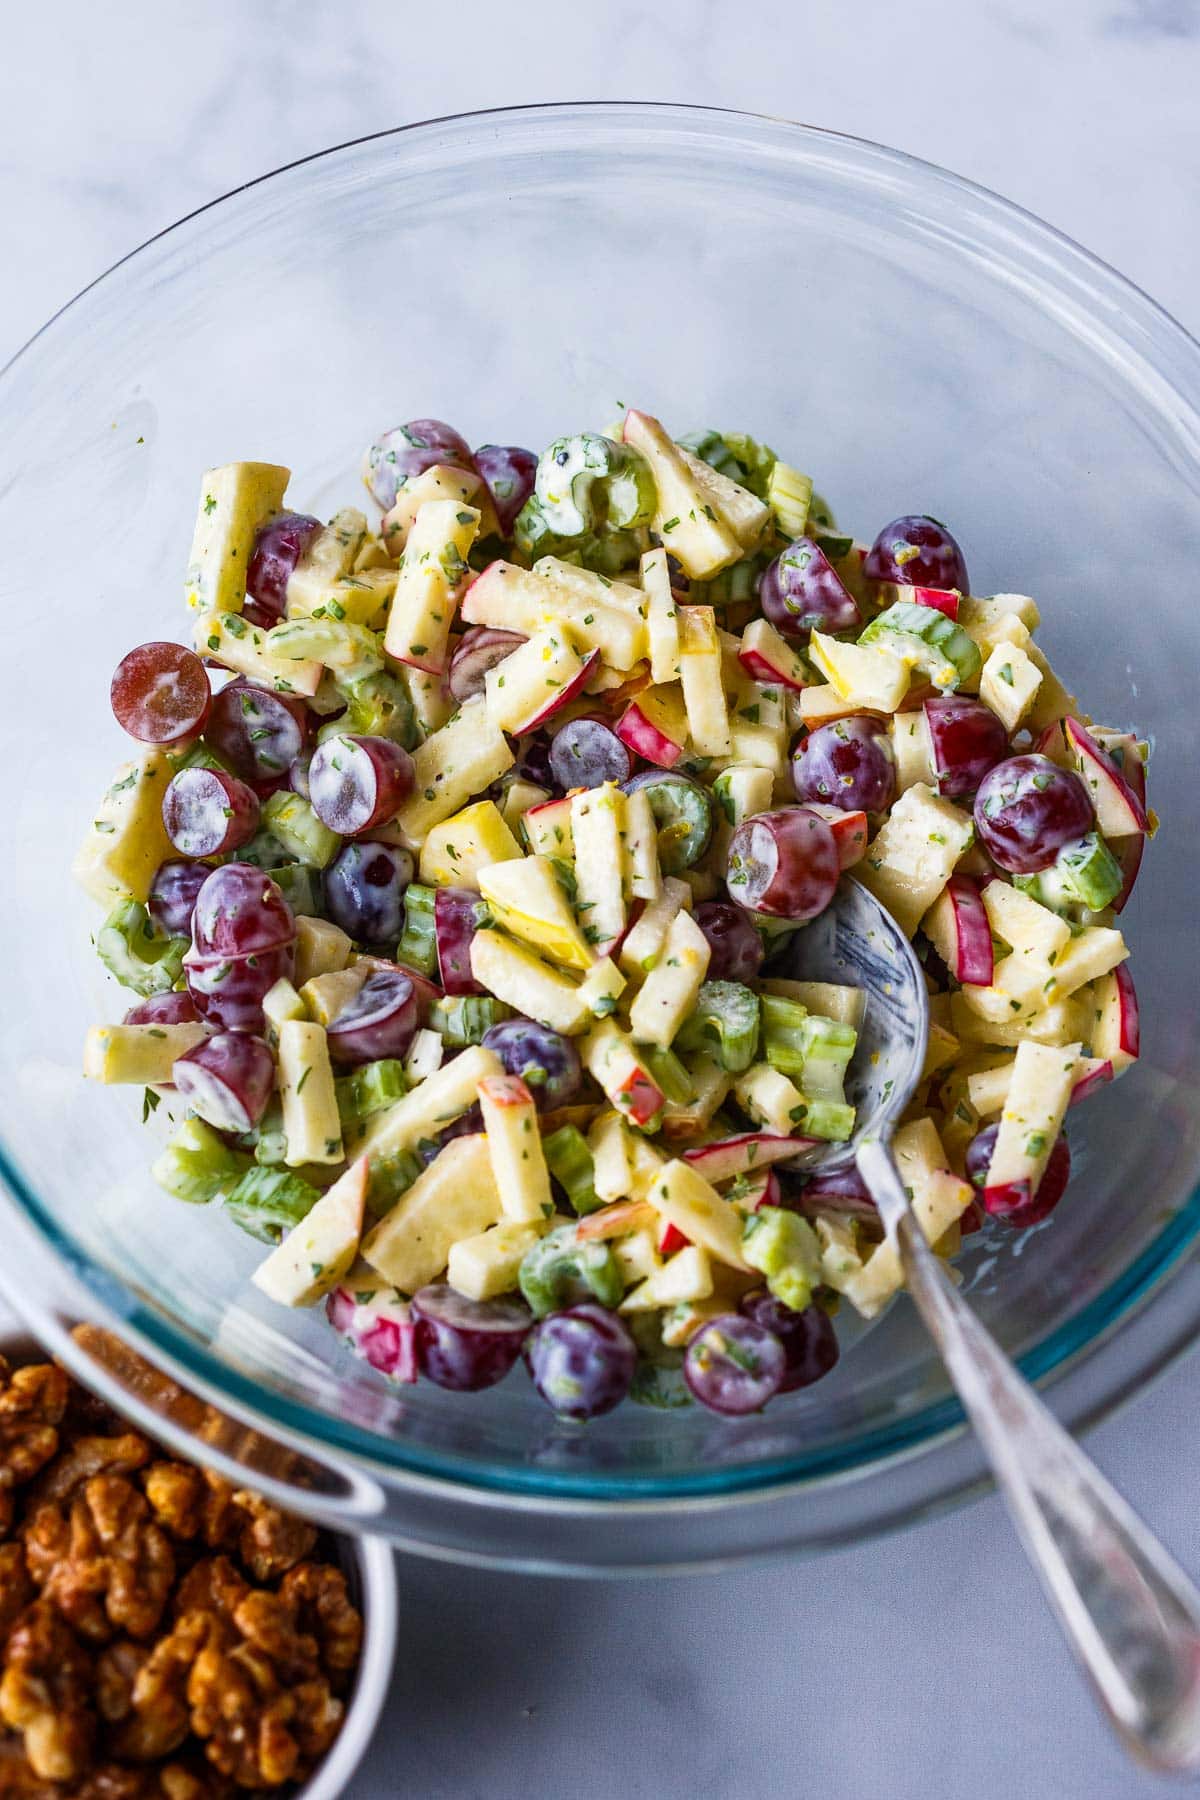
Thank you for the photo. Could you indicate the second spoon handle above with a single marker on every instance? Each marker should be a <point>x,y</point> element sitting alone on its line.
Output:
<point>1128,1611</point>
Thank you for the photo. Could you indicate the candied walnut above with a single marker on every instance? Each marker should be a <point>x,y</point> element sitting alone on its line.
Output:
<point>105,1564</point>
<point>318,1717</point>
<point>243,1716</point>
<point>317,1594</point>
<point>212,1586</point>
<point>45,1693</point>
<point>117,1668</point>
<point>17,1778</point>
<point>16,1588</point>
<point>177,1494</point>
<point>271,1542</point>
<point>268,1623</point>
<point>153,1720</point>
<point>84,1459</point>
<point>32,1403</point>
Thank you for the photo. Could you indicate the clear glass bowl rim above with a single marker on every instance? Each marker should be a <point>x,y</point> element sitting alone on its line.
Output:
<point>1072,276</point>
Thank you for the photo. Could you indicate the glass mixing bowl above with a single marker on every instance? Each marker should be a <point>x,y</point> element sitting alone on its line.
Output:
<point>915,343</point>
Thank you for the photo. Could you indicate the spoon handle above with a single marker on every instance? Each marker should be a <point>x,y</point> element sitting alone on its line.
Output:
<point>1129,1613</point>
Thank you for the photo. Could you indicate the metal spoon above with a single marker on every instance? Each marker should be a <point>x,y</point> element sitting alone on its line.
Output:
<point>1127,1610</point>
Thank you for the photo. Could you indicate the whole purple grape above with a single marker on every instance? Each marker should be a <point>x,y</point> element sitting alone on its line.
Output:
<point>809,1341</point>
<point>173,895</point>
<point>801,591</point>
<point>508,471</point>
<point>466,1344</point>
<point>545,1061</point>
<point>408,450</point>
<point>582,1361</point>
<point>917,551</point>
<point>736,949</point>
<point>1027,809</point>
<point>364,891</point>
<point>849,763</point>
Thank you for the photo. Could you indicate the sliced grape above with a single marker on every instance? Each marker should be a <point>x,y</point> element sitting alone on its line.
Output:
<point>1027,809</point>
<point>968,741</point>
<point>160,693</point>
<point>482,647</point>
<point>381,1019</point>
<point>227,1080</point>
<point>163,1009</point>
<point>917,551</point>
<point>228,991</point>
<point>356,783</point>
<point>297,775</point>
<point>801,591</point>
<point>457,915</point>
<point>784,863</point>
<point>734,1365</point>
<point>682,811</point>
<point>587,753</point>
<point>737,950</point>
<point>364,891</point>
<point>849,763</point>
<point>173,894</point>
<point>239,909</point>
<point>582,1361</point>
<point>509,471</point>
<point>209,813</point>
<point>467,1344</point>
<point>533,762</point>
<point>408,450</point>
<point>278,547</point>
<point>258,733</point>
<point>545,1061</point>
<point>809,1341</point>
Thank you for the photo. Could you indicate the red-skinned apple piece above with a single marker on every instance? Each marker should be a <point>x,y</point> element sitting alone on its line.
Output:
<point>670,1238</point>
<point>766,656</point>
<point>1117,1037</point>
<point>849,831</point>
<point>639,732</point>
<point>943,600</point>
<point>570,690</point>
<point>961,932</point>
<point>1119,812</point>
<point>1098,1073</point>
<point>764,1189</point>
<point>744,1154</point>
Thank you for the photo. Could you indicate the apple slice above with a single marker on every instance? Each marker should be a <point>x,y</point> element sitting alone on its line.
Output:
<point>1117,1036</point>
<point>684,518</point>
<point>727,1158</point>
<point>958,927</point>
<point>1119,811</point>
<point>548,828</point>
<point>534,681</point>
<point>610,1058</point>
<point>670,1238</point>
<point>317,1252</point>
<point>766,656</point>
<point>849,831</point>
<point>943,600</point>
<point>655,725</point>
<point>1095,1072</point>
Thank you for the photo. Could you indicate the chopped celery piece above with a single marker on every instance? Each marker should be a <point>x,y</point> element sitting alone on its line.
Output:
<point>265,851</point>
<point>378,705</point>
<point>734,585</point>
<point>199,756</point>
<point>301,888</point>
<point>794,1039</point>
<point>935,643</point>
<point>732,453</point>
<point>389,1177</point>
<point>832,1120</point>
<point>587,486</point>
<point>570,1162</point>
<point>267,1202</point>
<point>418,945</point>
<point>369,1090</point>
<point>142,957</point>
<point>659,1386</point>
<point>669,1074</point>
<point>462,1019</point>
<point>559,1271</point>
<point>292,821</point>
<point>725,1014</point>
<point>270,1152</point>
<point>196,1165</point>
<point>784,1247</point>
<point>1090,873</point>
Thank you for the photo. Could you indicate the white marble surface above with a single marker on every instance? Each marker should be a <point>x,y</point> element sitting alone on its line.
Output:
<point>925,1665</point>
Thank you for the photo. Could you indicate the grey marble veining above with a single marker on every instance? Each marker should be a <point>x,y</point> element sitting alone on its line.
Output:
<point>926,1665</point>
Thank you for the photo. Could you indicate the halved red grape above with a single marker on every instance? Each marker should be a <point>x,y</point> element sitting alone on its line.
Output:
<point>356,783</point>
<point>297,775</point>
<point>227,1080</point>
<point>509,472</point>
<point>801,591</point>
<point>364,891</point>
<point>784,863</point>
<point>208,813</point>
<point>482,647</point>
<point>835,1190</point>
<point>968,741</point>
<point>163,1009</point>
<point>917,551</point>
<point>734,1365</point>
<point>582,1361</point>
<point>228,991</point>
<point>809,1341</point>
<point>533,761</point>
<point>467,1344</point>
<point>239,910</point>
<point>736,949</point>
<point>408,450</point>
<point>457,915</point>
<point>160,693</point>
<point>587,753</point>
<point>544,1060</point>
<point>277,549</point>
<point>848,763</point>
<point>381,1020</point>
<point>173,894</point>
<point>258,733</point>
<point>1027,809</point>
<point>1013,1205</point>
